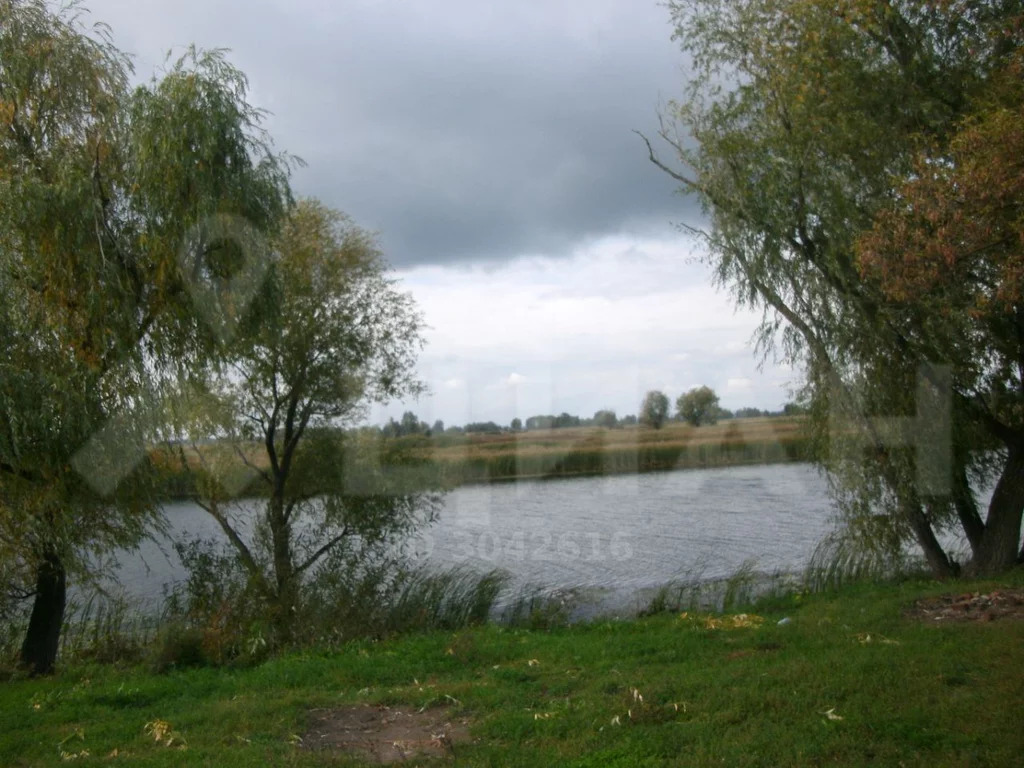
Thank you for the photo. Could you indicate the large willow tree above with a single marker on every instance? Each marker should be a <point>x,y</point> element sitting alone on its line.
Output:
<point>803,123</point>
<point>122,212</point>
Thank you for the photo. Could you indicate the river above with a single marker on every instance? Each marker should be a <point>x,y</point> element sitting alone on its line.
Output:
<point>615,539</point>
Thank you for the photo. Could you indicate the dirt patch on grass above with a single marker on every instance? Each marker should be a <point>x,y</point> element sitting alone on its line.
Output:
<point>970,606</point>
<point>386,734</point>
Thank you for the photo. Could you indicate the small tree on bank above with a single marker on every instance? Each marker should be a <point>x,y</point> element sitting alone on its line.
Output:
<point>328,335</point>
<point>698,406</point>
<point>654,409</point>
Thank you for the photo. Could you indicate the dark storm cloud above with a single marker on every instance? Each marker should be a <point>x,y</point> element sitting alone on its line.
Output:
<point>461,131</point>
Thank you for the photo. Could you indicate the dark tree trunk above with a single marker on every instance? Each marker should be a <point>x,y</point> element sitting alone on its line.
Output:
<point>1000,545</point>
<point>39,651</point>
<point>286,595</point>
<point>913,512</point>
<point>941,566</point>
<point>967,510</point>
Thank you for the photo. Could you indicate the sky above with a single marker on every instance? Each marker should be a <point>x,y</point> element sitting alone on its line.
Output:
<point>491,147</point>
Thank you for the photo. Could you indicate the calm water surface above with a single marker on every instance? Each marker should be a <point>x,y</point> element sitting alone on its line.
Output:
<point>616,536</point>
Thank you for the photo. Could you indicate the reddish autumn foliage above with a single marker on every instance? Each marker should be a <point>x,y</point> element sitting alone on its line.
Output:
<point>956,231</point>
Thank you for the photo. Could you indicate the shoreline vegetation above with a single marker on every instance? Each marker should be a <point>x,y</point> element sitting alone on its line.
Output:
<point>862,674</point>
<point>451,460</point>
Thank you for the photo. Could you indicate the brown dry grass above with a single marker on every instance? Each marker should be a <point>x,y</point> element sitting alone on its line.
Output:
<point>477,458</point>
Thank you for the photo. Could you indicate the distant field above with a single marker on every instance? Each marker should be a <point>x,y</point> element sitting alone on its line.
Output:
<point>483,458</point>
<point>597,451</point>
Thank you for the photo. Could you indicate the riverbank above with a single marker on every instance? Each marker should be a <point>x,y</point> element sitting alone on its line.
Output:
<point>849,678</point>
<point>590,451</point>
<point>453,460</point>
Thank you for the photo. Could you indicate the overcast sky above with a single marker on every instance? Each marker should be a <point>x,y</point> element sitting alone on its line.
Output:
<point>491,146</point>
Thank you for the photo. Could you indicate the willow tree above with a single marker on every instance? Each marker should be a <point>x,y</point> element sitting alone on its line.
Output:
<point>328,334</point>
<point>949,252</point>
<point>118,209</point>
<point>799,119</point>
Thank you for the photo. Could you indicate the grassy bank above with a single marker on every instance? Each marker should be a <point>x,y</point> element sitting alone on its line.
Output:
<point>850,679</point>
<point>461,459</point>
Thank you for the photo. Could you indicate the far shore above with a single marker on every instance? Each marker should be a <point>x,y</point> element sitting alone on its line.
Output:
<point>450,460</point>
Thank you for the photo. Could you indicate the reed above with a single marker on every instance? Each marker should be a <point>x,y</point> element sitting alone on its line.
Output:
<point>484,458</point>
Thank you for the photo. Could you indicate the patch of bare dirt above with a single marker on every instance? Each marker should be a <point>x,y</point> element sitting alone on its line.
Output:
<point>386,734</point>
<point>970,606</point>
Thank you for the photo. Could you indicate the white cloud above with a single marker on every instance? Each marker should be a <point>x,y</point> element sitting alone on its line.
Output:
<point>592,330</point>
<point>739,385</point>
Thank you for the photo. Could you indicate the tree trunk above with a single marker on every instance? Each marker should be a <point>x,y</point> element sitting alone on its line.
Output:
<point>39,651</point>
<point>941,566</point>
<point>1000,544</point>
<point>913,512</point>
<point>967,510</point>
<point>284,576</point>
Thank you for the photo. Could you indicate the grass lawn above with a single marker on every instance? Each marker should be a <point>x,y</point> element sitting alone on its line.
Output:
<point>849,680</point>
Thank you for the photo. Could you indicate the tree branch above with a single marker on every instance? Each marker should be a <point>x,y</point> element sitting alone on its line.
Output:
<point>690,183</point>
<point>240,546</point>
<point>245,460</point>
<point>312,559</point>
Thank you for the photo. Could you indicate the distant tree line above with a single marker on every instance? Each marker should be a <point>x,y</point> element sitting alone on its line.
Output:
<point>698,406</point>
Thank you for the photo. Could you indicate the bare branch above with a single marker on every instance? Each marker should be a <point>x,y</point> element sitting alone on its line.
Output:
<point>240,546</point>
<point>312,559</point>
<point>688,182</point>
<point>245,460</point>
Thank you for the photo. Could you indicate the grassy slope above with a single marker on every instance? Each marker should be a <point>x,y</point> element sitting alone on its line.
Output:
<point>935,695</point>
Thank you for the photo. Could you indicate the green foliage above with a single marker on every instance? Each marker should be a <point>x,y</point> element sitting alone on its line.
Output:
<point>538,609</point>
<point>109,236</point>
<point>610,460</point>
<point>801,123</point>
<point>327,334</point>
<point>698,406</point>
<point>179,647</point>
<point>654,409</point>
<point>359,590</point>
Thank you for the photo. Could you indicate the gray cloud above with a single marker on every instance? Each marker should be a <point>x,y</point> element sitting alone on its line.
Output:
<point>461,131</point>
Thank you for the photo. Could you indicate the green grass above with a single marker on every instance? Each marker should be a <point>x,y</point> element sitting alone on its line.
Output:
<point>916,694</point>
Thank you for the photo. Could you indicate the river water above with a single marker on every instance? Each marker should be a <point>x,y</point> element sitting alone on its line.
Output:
<point>617,538</point>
